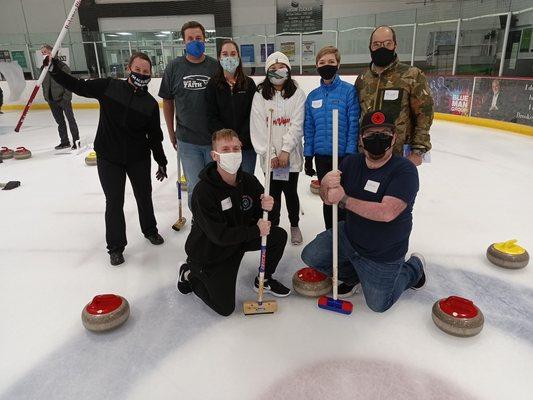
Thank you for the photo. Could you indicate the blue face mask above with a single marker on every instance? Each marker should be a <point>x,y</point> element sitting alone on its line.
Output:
<point>195,48</point>
<point>230,64</point>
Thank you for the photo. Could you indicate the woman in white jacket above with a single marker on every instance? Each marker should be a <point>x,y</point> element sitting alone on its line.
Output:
<point>280,93</point>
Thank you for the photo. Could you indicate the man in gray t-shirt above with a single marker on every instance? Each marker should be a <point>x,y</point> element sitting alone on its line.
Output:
<point>183,92</point>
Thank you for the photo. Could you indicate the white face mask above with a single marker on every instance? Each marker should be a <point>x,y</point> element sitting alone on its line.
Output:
<point>230,162</point>
<point>279,76</point>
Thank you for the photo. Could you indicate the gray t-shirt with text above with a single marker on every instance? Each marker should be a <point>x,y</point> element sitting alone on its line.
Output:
<point>185,82</point>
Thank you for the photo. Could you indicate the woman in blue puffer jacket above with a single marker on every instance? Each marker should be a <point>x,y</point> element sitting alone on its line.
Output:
<point>333,93</point>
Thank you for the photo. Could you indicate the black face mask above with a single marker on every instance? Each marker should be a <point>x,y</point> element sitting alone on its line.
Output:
<point>377,144</point>
<point>327,72</point>
<point>382,56</point>
<point>139,80</point>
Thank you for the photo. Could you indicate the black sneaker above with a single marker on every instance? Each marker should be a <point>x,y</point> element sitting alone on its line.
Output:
<point>345,290</point>
<point>155,238</point>
<point>116,258</point>
<point>272,286</point>
<point>182,283</point>
<point>422,281</point>
<point>74,147</point>
<point>62,146</point>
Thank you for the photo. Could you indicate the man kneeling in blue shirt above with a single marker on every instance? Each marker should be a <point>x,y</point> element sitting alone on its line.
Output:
<point>378,191</point>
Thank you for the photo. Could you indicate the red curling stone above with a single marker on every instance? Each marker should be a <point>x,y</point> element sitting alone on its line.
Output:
<point>311,283</point>
<point>457,316</point>
<point>105,312</point>
<point>315,186</point>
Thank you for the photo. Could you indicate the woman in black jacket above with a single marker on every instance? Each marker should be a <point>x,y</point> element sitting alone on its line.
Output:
<point>129,127</point>
<point>229,101</point>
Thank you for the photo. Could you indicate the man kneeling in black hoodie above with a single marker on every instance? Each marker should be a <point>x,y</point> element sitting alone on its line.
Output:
<point>227,206</point>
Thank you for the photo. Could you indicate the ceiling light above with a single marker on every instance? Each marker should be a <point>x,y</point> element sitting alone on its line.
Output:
<point>124,33</point>
<point>166,32</point>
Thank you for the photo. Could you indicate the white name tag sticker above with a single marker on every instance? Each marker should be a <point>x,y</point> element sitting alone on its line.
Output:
<point>316,103</point>
<point>226,204</point>
<point>391,94</point>
<point>372,186</point>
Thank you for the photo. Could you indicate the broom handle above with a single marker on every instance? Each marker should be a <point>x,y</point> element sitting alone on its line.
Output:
<point>262,263</point>
<point>335,224</point>
<point>57,44</point>
<point>180,213</point>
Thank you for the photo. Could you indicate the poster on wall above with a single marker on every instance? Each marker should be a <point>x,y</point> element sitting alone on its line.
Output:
<point>508,100</point>
<point>289,49</point>
<point>19,57</point>
<point>63,54</point>
<point>451,94</point>
<point>247,53</point>
<point>308,51</point>
<point>4,55</point>
<point>298,15</point>
<point>270,50</point>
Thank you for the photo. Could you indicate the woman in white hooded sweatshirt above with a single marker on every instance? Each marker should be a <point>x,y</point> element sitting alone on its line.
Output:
<point>279,92</point>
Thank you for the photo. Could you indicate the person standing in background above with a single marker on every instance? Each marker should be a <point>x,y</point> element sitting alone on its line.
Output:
<point>279,92</point>
<point>333,93</point>
<point>129,129</point>
<point>399,90</point>
<point>183,92</point>
<point>60,101</point>
<point>229,97</point>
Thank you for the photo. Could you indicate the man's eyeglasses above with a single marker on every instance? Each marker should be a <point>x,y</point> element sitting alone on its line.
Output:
<point>388,44</point>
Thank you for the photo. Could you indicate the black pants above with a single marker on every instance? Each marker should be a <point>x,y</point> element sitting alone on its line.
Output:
<point>215,283</point>
<point>324,164</point>
<point>290,190</point>
<point>113,181</point>
<point>1,98</point>
<point>58,108</point>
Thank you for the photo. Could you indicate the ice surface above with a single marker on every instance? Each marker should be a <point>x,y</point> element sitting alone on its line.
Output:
<point>476,191</point>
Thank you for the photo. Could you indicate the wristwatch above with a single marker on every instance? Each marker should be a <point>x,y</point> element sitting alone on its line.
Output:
<point>342,203</point>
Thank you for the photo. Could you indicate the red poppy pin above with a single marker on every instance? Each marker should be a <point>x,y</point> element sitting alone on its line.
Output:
<point>378,118</point>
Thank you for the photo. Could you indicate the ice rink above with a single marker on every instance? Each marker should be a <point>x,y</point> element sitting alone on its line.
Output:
<point>477,190</point>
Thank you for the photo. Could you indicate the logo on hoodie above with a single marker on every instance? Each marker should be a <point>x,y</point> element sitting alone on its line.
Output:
<point>195,82</point>
<point>246,203</point>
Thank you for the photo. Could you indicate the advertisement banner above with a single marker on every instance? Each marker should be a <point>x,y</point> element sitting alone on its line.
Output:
<point>19,57</point>
<point>508,100</point>
<point>247,53</point>
<point>298,15</point>
<point>289,49</point>
<point>270,50</point>
<point>308,51</point>
<point>63,54</point>
<point>451,94</point>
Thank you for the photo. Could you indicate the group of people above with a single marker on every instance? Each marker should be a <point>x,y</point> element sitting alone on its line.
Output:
<point>218,121</point>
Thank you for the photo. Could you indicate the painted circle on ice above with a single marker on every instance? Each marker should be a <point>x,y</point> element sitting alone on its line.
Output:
<point>370,379</point>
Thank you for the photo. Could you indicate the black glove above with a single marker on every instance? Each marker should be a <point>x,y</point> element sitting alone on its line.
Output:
<point>309,171</point>
<point>161,173</point>
<point>46,62</point>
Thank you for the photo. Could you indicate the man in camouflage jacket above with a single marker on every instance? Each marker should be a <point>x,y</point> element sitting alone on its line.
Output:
<point>399,90</point>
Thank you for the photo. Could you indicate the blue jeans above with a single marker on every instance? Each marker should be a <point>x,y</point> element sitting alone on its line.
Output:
<point>194,158</point>
<point>248,161</point>
<point>382,282</point>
